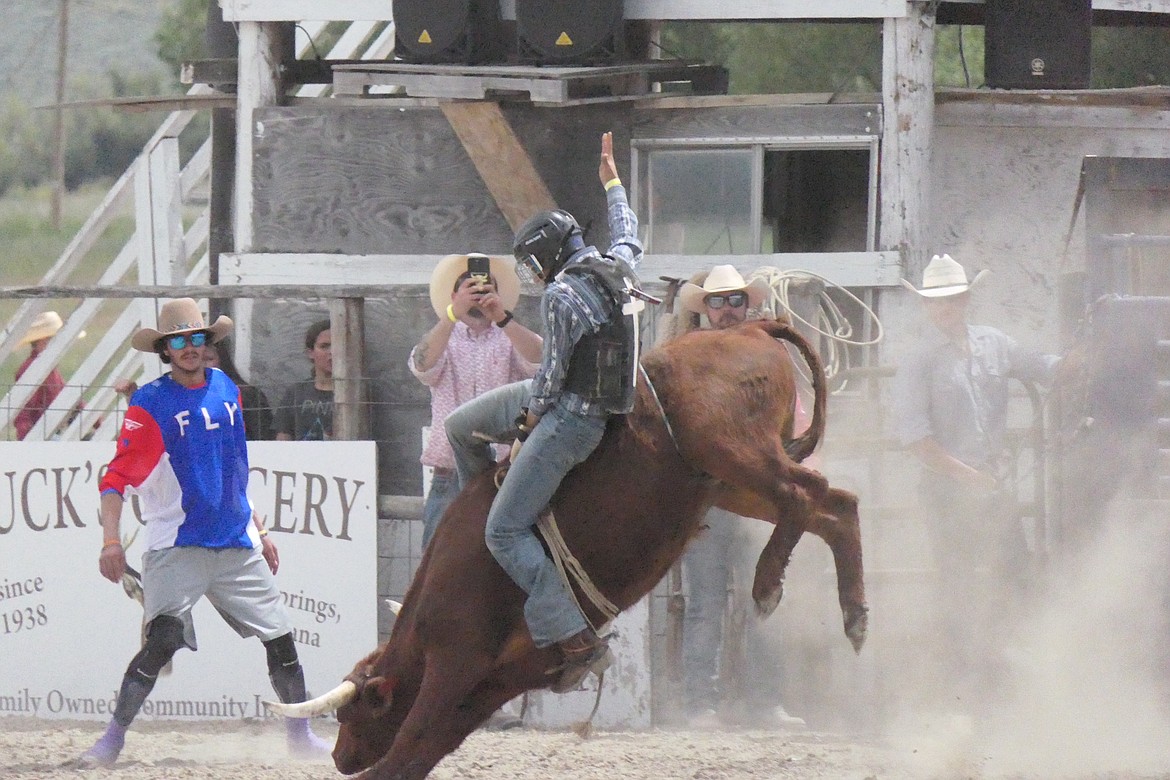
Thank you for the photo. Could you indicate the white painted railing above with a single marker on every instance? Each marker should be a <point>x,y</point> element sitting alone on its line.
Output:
<point>158,191</point>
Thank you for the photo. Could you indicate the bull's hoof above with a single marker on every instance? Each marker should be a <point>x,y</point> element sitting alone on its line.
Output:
<point>766,603</point>
<point>856,625</point>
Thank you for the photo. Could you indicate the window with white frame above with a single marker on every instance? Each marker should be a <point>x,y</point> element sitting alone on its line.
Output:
<point>752,198</point>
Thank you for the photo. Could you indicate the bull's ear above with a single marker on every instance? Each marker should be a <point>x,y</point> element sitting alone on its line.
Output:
<point>384,688</point>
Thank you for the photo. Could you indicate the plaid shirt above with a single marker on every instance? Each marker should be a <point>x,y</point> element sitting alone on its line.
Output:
<point>574,305</point>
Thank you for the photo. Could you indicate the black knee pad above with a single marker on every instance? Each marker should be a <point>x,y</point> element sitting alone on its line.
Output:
<point>164,637</point>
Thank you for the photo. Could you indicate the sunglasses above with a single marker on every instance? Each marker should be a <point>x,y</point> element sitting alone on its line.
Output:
<point>735,300</point>
<point>180,341</point>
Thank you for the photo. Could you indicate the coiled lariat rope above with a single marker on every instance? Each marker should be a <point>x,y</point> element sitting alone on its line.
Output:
<point>831,323</point>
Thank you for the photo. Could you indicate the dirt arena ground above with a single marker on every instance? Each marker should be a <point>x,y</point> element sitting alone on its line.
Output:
<point>255,751</point>
<point>252,751</point>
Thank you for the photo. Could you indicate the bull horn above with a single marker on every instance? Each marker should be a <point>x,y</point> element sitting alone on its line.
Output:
<point>395,606</point>
<point>327,702</point>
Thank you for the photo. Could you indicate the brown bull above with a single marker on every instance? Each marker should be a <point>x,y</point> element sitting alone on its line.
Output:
<point>460,647</point>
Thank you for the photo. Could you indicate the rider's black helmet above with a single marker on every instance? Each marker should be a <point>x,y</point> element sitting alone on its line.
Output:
<point>545,242</point>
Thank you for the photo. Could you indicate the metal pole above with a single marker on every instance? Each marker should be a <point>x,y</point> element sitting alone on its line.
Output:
<point>59,119</point>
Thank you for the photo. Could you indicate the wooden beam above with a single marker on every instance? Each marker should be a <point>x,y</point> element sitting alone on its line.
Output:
<point>170,103</point>
<point>499,157</point>
<point>347,323</point>
<point>539,84</point>
<point>907,134</point>
<point>683,10</point>
<point>222,71</point>
<point>379,10</point>
<point>297,10</point>
<point>1127,6</point>
<point>259,86</point>
<point>305,291</point>
<point>716,10</point>
<point>284,271</point>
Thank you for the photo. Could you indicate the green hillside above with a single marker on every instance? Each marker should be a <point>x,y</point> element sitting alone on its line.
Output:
<point>103,35</point>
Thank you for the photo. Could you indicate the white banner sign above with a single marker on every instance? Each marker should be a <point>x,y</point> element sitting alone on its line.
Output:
<point>67,635</point>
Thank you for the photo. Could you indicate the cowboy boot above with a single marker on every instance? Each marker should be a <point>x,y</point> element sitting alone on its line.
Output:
<point>584,652</point>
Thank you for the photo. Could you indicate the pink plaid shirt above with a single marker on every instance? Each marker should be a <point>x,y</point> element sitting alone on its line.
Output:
<point>470,366</point>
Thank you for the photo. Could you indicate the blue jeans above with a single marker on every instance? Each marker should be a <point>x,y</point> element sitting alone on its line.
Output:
<point>444,488</point>
<point>720,559</point>
<point>559,442</point>
<point>494,414</point>
<point>707,566</point>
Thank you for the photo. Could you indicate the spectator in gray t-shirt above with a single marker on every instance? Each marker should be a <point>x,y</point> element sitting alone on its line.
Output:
<point>306,410</point>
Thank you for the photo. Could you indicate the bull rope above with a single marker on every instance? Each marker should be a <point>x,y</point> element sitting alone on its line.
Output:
<point>571,570</point>
<point>661,409</point>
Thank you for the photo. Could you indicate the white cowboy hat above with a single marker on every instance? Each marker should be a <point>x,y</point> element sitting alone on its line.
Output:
<point>943,276</point>
<point>452,267</point>
<point>46,325</point>
<point>722,279</point>
<point>181,315</point>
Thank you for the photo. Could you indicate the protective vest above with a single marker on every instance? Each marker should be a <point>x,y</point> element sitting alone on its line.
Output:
<point>604,365</point>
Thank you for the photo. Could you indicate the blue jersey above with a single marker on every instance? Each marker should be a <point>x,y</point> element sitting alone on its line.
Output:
<point>183,452</point>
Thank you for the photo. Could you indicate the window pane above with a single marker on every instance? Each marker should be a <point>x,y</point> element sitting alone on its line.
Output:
<point>816,200</point>
<point>700,202</point>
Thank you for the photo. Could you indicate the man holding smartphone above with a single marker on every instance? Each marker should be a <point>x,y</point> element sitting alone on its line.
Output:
<point>475,346</point>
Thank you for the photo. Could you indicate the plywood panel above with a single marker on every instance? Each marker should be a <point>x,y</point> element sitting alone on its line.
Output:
<point>380,180</point>
<point>362,181</point>
<point>499,158</point>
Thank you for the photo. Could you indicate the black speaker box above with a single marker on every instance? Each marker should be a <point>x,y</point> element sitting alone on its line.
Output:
<point>1037,44</point>
<point>570,32</point>
<point>448,31</point>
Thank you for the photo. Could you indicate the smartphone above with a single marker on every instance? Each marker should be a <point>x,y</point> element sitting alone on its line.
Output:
<point>480,267</point>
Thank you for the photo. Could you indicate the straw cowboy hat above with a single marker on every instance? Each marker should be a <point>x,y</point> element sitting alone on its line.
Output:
<point>452,267</point>
<point>942,277</point>
<point>181,315</point>
<point>722,279</point>
<point>46,325</point>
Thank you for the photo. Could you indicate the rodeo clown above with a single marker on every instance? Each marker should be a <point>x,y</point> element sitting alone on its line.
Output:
<point>587,373</point>
<point>182,450</point>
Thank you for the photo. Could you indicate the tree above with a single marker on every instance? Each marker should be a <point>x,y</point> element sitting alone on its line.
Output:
<point>1130,56</point>
<point>785,57</point>
<point>180,35</point>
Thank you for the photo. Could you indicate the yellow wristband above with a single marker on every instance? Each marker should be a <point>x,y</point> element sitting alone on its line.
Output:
<point>614,182</point>
<point>451,312</point>
<point>263,532</point>
<point>110,543</point>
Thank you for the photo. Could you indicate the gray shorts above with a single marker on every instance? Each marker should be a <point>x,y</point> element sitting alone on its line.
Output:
<point>236,581</point>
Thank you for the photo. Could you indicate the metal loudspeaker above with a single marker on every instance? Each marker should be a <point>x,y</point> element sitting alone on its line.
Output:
<point>448,31</point>
<point>1037,44</point>
<point>570,32</point>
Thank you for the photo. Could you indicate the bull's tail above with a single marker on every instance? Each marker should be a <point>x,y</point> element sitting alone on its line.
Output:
<point>804,445</point>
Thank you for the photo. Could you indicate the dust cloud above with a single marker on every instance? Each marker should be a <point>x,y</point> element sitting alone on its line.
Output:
<point>1076,687</point>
